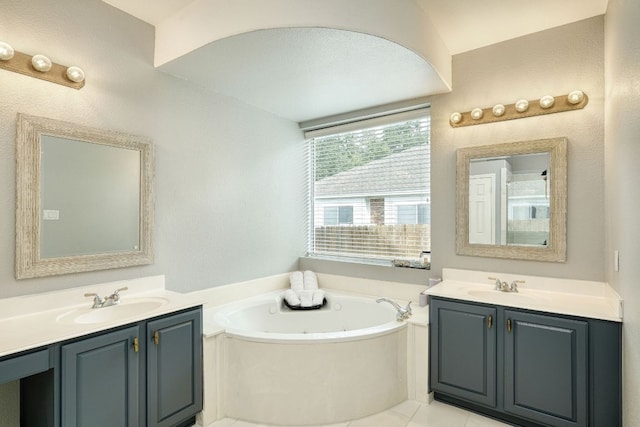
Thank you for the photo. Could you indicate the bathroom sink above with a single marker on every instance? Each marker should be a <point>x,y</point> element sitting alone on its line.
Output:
<point>127,308</point>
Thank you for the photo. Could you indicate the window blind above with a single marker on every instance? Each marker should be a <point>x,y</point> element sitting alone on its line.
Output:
<point>370,192</point>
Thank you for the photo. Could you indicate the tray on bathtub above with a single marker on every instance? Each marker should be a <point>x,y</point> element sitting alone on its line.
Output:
<point>311,307</point>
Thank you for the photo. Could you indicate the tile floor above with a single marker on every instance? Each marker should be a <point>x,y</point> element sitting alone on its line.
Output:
<point>407,414</point>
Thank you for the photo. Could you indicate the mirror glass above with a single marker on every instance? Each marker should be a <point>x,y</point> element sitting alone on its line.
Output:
<point>512,200</point>
<point>84,198</point>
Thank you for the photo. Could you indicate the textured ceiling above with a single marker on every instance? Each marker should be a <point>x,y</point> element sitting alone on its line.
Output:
<point>309,73</point>
<point>306,73</point>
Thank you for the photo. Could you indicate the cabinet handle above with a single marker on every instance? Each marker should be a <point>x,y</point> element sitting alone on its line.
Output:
<point>156,338</point>
<point>509,326</point>
<point>489,321</point>
<point>136,345</point>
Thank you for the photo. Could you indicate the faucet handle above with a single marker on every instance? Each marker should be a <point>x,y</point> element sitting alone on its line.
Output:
<point>514,285</point>
<point>408,308</point>
<point>117,291</point>
<point>115,296</point>
<point>498,284</point>
<point>97,301</point>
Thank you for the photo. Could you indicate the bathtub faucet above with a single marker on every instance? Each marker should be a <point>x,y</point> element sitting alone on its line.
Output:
<point>403,313</point>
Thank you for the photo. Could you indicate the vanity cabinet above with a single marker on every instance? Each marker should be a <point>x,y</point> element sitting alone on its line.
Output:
<point>148,373</point>
<point>464,351</point>
<point>99,379</point>
<point>545,368</point>
<point>174,368</point>
<point>525,367</point>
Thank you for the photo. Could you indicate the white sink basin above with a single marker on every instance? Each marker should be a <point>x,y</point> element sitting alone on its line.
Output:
<point>127,308</point>
<point>499,296</point>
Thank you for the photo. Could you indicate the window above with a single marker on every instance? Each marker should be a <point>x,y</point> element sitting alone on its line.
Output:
<point>338,215</point>
<point>413,214</point>
<point>370,188</point>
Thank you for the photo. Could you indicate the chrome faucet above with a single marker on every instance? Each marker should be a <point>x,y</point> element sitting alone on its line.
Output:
<point>403,313</point>
<point>113,299</point>
<point>504,286</point>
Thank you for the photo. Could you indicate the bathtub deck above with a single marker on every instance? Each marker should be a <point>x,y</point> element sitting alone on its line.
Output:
<point>407,414</point>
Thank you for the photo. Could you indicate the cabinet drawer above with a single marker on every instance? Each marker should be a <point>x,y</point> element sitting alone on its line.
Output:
<point>24,366</point>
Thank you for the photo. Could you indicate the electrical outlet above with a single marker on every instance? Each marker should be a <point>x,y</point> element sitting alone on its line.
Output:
<point>616,260</point>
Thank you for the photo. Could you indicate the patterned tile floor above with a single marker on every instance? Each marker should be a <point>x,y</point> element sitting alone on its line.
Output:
<point>407,414</point>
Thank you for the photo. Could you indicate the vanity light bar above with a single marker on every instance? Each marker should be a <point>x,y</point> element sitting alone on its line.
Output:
<point>522,108</point>
<point>40,67</point>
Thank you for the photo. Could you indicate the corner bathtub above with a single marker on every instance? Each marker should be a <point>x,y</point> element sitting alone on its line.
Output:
<point>344,361</point>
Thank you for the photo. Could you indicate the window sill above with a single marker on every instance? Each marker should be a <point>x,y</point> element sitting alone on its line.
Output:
<point>365,268</point>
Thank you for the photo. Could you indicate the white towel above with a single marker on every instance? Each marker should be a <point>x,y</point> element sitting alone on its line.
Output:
<point>310,280</point>
<point>306,298</point>
<point>318,297</point>
<point>291,297</point>
<point>296,279</point>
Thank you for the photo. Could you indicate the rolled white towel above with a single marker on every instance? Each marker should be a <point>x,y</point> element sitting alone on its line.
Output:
<point>306,298</point>
<point>296,279</point>
<point>291,297</point>
<point>318,297</point>
<point>310,280</point>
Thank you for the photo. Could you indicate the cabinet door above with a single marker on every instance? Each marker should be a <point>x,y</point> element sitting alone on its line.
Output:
<point>100,381</point>
<point>174,368</point>
<point>546,368</point>
<point>463,350</point>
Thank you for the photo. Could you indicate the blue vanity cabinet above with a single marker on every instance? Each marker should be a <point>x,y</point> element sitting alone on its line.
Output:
<point>99,380</point>
<point>174,368</point>
<point>545,368</point>
<point>463,350</point>
<point>525,367</point>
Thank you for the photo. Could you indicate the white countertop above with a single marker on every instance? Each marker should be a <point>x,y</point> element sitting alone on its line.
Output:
<point>596,300</point>
<point>33,321</point>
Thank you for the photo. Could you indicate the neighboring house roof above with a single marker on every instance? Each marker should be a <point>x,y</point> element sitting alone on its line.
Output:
<point>376,178</point>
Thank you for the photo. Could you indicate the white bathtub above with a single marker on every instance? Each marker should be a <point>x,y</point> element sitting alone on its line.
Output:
<point>344,361</point>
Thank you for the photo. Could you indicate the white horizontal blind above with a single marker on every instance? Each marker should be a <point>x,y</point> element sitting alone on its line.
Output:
<point>370,190</point>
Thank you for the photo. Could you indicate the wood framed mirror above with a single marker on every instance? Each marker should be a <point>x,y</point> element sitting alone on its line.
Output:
<point>84,198</point>
<point>512,200</point>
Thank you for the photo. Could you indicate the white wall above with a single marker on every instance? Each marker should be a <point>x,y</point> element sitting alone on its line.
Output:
<point>622,176</point>
<point>228,176</point>
<point>553,62</point>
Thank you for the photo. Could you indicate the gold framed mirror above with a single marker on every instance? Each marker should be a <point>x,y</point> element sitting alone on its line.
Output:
<point>511,200</point>
<point>84,198</point>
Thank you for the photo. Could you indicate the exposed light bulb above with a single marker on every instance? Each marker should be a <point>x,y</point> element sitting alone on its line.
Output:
<point>6,51</point>
<point>41,63</point>
<point>498,110</point>
<point>522,105</point>
<point>455,118</point>
<point>477,113</point>
<point>75,74</point>
<point>575,97</point>
<point>547,101</point>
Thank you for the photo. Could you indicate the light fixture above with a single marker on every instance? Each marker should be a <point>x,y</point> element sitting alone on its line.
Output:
<point>75,74</point>
<point>41,63</point>
<point>498,110</point>
<point>575,97</point>
<point>455,118</point>
<point>547,101</point>
<point>6,51</point>
<point>40,67</point>
<point>575,100</point>
<point>477,113</point>
<point>522,105</point>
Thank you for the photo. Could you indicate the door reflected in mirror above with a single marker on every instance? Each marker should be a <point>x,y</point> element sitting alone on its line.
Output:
<point>511,200</point>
